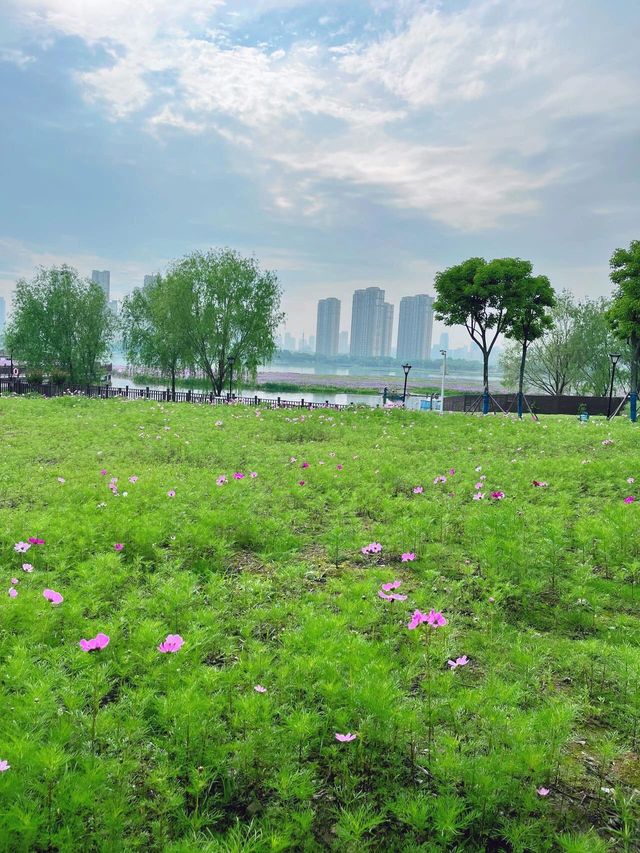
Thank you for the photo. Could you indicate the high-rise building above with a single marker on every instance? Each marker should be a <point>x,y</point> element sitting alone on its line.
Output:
<point>415,328</point>
<point>289,342</point>
<point>149,279</point>
<point>343,343</point>
<point>387,329</point>
<point>328,326</point>
<point>103,278</point>
<point>367,315</point>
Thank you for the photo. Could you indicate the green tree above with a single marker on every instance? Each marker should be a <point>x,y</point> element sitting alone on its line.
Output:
<point>624,314</point>
<point>594,341</point>
<point>529,318</point>
<point>62,323</point>
<point>481,295</point>
<point>234,311</point>
<point>155,322</point>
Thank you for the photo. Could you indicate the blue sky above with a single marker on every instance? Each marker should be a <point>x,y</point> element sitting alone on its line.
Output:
<point>343,143</point>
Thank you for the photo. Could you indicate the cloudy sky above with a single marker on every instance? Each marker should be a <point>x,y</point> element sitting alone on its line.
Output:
<point>343,143</point>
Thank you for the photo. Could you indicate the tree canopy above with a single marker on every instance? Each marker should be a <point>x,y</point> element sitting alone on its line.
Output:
<point>155,322</point>
<point>60,323</point>
<point>624,314</point>
<point>234,311</point>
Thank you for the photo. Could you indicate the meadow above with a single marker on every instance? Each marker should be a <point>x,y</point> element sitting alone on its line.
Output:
<point>266,685</point>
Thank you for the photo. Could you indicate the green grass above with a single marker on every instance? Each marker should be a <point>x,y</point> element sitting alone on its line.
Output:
<point>130,749</point>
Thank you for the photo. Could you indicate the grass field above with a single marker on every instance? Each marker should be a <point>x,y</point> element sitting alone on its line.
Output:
<point>528,743</point>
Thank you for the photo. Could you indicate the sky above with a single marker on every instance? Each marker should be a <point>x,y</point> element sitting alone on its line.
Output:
<point>344,144</point>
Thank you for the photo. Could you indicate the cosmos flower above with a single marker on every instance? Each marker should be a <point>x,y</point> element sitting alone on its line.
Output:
<point>173,643</point>
<point>4,766</point>
<point>27,567</point>
<point>497,496</point>
<point>540,484</point>
<point>21,547</point>
<point>260,689</point>
<point>478,496</point>
<point>629,499</point>
<point>133,479</point>
<point>61,479</point>
<point>221,480</point>
<point>408,557</point>
<point>118,546</point>
<point>439,479</point>
<point>418,490</point>
<point>13,592</point>
<point>253,475</point>
<point>53,596</point>
<point>345,738</point>
<point>462,661</point>
<point>542,791</point>
<point>238,475</point>
<point>372,548</point>
<point>95,644</point>
<point>433,618</point>
<point>171,493</point>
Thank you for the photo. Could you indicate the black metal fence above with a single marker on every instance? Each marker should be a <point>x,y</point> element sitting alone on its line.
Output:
<point>109,392</point>
<point>541,404</point>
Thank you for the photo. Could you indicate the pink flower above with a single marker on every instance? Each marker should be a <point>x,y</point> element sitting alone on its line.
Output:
<point>118,546</point>
<point>339,468</point>
<point>97,643</point>
<point>13,592</point>
<point>301,482</point>
<point>607,441</point>
<point>497,496</point>
<point>408,557</point>
<point>540,484</point>
<point>452,471</point>
<point>345,738</point>
<point>253,475</point>
<point>133,479</point>
<point>418,490</point>
<point>221,480</point>
<point>631,480</point>
<point>173,643</point>
<point>35,541</point>
<point>21,547</point>
<point>293,459</point>
<point>372,548</point>
<point>542,792</point>
<point>104,472</point>
<point>463,661</point>
<point>4,766</point>
<point>61,479</point>
<point>439,479</point>
<point>393,596</point>
<point>238,476</point>
<point>171,493</point>
<point>14,580</point>
<point>53,596</point>
<point>27,567</point>
<point>387,587</point>
<point>433,618</point>
<point>260,689</point>
<point>305,465</point>
<point>478,485</point>
<point>629,499</point>
<point>478,496</point>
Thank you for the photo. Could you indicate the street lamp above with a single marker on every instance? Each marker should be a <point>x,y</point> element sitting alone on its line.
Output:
<point>614,360</point>
<point>230,362</point>
<point>406,368</point>
<point>443,353</point>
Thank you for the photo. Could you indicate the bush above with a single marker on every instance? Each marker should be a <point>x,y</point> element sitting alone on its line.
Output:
<point>34,377</point>
<point>58,376</point>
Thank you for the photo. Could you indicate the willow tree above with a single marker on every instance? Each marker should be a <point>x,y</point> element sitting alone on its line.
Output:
<point>234,312</point>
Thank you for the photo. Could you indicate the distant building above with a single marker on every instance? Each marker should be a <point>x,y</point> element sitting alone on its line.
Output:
<point>289,342</point>
<point>415,328</point>
<point>444,340</point>
<point>367,319</point>
<point>149,279</point>
<point>328,327</point>
<point>103,278</point>
<point>343,343</point>
<point>387,329</point>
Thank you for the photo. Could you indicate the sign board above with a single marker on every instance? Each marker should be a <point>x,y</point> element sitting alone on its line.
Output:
<point>16,371</point>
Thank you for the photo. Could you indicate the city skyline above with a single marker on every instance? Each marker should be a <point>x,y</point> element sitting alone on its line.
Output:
<point>341,143</point>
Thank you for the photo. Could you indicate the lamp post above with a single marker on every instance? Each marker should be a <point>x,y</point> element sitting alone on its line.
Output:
<point>230,362</point>
<point>406,368</point>
<point>443,353</point>
<point>614,360</point>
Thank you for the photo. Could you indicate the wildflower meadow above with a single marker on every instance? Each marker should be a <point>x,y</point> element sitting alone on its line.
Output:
<point>226,629</point>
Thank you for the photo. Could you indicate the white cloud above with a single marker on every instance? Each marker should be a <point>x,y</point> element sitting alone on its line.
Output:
<point>440,114</point>
<point>16,57</point>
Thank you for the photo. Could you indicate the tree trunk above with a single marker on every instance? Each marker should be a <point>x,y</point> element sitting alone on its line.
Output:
<point>635,359</point>
<point>173,383</point>
<point>523,360</point>
<point>485,382</point>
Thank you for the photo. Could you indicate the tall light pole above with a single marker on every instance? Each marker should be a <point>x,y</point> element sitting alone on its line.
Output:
<point>406,368</point>
<point>615,356</point>
<point>443,353</point>
<point>230,362</point>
